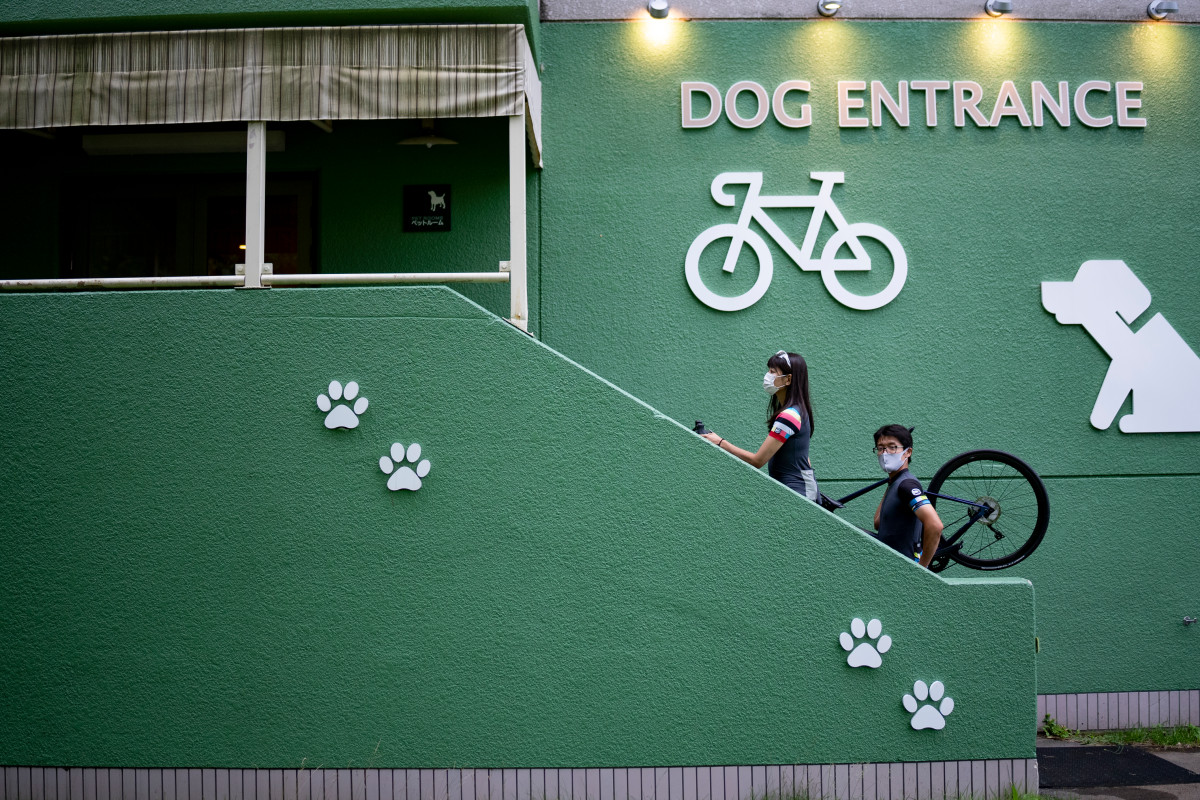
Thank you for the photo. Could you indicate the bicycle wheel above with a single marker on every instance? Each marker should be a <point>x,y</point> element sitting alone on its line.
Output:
<point>1020,509</point>
<point>720,302</point>
<point>829,262</point>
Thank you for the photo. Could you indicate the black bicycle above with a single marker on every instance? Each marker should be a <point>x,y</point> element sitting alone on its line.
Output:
<point>993,504</point>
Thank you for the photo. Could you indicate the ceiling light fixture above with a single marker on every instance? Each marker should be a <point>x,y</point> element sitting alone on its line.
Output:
<point>828,8</point>
<point>995,8</point>
<point>427,137</point>
<point>659,9</point>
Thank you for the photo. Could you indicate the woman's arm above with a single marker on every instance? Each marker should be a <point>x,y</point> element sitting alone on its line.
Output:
<point>766,450</point>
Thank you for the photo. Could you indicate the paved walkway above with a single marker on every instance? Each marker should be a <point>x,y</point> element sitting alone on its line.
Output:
<point>1131,789</point>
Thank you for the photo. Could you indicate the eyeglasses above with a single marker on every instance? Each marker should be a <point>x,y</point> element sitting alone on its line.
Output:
<point>891,448</point>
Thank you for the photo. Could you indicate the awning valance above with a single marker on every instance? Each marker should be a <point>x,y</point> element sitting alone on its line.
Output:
<point>266,74</point>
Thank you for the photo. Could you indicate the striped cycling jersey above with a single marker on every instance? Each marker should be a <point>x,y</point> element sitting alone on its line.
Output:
<point>899,527</point>
<point>787,424</point>
<point>790,465</point>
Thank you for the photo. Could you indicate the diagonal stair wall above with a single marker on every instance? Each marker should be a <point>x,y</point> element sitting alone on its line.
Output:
<point>198,573</point>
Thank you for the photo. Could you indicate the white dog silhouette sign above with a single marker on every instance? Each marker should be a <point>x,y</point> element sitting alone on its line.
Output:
<point>1153,363</point>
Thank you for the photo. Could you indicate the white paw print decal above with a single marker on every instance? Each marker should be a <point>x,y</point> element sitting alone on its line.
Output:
<point>405,477</point>
<point>929,715</point>
<point>865,654</point>
<point>341,415</point>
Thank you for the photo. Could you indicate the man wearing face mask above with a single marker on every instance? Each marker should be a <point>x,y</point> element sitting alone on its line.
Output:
<point>906,520</point>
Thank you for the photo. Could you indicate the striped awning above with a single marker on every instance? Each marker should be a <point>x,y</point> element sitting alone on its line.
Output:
<point>267,74</point>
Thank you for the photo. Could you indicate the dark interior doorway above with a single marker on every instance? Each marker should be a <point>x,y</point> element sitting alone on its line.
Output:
<point>148,226</point>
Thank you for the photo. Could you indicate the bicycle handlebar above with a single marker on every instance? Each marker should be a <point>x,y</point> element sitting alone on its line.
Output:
<point>755,181</point>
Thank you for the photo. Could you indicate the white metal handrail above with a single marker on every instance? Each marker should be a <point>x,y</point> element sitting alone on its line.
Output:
<point>162,282</point>
<point>361,278</point>
<point>268,279</point>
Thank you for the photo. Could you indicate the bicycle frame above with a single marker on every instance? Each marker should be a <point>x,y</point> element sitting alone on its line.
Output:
<point>821,203</point>
<point>950,543</point>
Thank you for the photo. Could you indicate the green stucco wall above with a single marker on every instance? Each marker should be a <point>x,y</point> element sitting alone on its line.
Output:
<point>966,352</point>
<point>198,573</point>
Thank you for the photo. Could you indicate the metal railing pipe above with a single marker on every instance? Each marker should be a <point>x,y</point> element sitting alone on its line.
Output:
<point>367,278</point>
<point>235,281</point>
<point>160,282</point>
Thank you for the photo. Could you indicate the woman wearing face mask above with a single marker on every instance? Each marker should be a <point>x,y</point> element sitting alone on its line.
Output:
<point>789,426</point>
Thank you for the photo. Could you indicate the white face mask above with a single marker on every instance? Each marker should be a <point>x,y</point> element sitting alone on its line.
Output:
<point>890,462</point>
<point>769,383</point>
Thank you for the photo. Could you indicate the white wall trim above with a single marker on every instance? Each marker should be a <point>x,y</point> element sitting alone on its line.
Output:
<point>1047,10</point>
<point>924,780</point>
<point>1096,711</point>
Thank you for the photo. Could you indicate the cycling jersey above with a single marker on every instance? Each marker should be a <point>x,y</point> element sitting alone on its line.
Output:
<point>899,527</point>
<point>790,465</point>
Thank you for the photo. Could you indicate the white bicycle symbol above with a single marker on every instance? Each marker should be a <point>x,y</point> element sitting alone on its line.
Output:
<point>828,264</point>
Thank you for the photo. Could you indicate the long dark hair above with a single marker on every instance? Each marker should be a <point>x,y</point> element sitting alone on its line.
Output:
<point>797,391</point>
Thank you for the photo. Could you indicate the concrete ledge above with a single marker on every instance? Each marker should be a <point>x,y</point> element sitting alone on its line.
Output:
<point>926,780</point>
<point>1060,10</point>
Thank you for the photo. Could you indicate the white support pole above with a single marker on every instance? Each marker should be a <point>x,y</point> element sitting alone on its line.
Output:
<point>518,291</point>
<point>256,191</point>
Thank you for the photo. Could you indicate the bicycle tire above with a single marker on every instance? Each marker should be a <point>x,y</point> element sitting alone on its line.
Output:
<point>829,270</point>
<point>691,269</point>
<point>1016,493</point>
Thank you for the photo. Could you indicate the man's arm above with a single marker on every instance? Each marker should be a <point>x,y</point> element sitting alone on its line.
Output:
<point>933,532</point>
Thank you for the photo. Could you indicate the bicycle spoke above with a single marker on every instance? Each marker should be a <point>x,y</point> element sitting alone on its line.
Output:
<point>987,536</point>
<point>977,551</point>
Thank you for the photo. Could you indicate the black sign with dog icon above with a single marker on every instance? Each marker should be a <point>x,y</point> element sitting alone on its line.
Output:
<point>427,208</point>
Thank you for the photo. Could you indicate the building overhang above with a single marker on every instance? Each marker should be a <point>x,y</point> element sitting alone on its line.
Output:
<point>270,75</point>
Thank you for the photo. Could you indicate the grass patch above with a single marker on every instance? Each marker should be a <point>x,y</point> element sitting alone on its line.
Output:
<point>1182,736</point>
